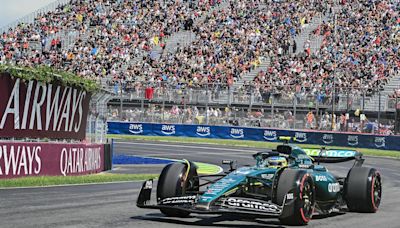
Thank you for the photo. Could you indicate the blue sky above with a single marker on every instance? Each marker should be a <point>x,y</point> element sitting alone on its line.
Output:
<point>11,10</point>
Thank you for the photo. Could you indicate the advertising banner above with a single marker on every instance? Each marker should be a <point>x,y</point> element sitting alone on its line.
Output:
<point>257,134</point>
<point>38,110</point>
<point>49,159</point>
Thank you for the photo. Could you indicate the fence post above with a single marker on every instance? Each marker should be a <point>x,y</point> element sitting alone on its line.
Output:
<point>363,101</point>
<point>120,101</point>
<point>347,109</point>
<point>272,106</point>
<point>207,100</point>
<point>163,110</point>
<point>396,118</point>
<point>379,109</point>
<point>294,111</point>
<point>142,110</point>
<point>333,109</point>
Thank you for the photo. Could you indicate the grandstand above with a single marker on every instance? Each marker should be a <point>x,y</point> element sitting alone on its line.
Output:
<point>250,62</point>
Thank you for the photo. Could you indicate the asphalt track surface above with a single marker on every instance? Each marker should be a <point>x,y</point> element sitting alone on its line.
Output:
<point>113,205</point>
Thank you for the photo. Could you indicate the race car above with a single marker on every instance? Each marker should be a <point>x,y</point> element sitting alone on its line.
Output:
<point>287,183</point>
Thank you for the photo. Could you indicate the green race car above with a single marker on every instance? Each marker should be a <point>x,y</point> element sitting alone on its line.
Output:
<point>287,183</point>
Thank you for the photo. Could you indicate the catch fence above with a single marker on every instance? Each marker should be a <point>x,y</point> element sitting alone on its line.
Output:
<point>354,109</point>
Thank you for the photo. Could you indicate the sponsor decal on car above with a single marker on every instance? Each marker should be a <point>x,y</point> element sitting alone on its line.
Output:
<point>289,196</point>
<point>352,140</point>
<point>304,166</point>
<point>168,129</point>
<point>148,184</point>
<point>203,131</point>
<point>136,128</point>
<point>301,137</point>
<point>270,135</point>
<point>331,153</point>
<point>178,200</point>
<point>243,171</point>
<point>327,138</point>
<point>252,204</point>
<point>321,178</point>
<point>380,142</point>
<point>237,133</point>
<point>219,186</point>
<point>333,187</point>
<point>268,176</point>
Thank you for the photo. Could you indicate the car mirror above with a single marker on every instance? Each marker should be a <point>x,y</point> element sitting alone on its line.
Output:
<point>232,164</point>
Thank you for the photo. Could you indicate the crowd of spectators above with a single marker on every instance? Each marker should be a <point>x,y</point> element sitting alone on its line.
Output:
<point>395,94</point>
<point>112,32</point>
<point>360,52</point>
<point>229,43</point>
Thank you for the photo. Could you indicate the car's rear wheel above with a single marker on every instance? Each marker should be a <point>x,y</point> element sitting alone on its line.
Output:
<point>299,209</point>
<point>363,189</point>
<point>171,184</point>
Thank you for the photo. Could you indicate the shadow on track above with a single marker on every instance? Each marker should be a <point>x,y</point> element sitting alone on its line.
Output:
<point>210,221</point>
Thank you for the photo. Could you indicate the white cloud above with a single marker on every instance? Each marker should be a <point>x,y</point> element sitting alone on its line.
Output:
<point>11,10</point>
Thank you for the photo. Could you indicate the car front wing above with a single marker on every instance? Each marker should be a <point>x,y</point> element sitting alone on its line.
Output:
<point>224,205</point>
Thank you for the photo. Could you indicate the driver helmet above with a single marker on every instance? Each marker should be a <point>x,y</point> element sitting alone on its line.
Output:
<point>276,162</point>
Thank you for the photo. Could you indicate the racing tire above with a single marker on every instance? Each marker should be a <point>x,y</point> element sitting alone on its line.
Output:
<point>170,185</point>
<point>299,210</point>
<point>363,190</point>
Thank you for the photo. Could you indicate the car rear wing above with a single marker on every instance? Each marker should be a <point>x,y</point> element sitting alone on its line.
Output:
<point>333,155</point>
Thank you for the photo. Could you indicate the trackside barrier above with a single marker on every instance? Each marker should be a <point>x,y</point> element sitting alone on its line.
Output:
<point>256,134</point>
<point>52,159</point>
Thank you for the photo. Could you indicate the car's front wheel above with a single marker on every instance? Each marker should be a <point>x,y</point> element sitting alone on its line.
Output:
<point>298,187</point>
<point>173,182</point>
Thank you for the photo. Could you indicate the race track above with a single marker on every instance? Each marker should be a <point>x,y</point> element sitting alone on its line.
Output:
<point>113,205</point>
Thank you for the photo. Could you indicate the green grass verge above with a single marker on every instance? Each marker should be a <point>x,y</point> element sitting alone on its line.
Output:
<point>248,143</point>
<point>207,169</point>
<point>61,180</point>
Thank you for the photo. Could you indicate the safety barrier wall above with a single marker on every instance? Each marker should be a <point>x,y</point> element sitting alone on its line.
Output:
<point>257,134</point>
<point>52,159</point>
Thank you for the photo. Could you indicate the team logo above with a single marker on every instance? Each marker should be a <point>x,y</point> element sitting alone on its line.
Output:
<point>203,131</point>
<point>168,129</point>
<point>380,142</point>
<point>352,140</point>
<point>270,135</point>
<point>237,133</point>
<point>327,138</point>
<point>301,136</point>
<point>252,204</point>
<point>136,128</point>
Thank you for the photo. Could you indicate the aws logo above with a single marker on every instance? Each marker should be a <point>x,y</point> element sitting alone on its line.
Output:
<point>380,142</point>
<point>203,131</point>
<point>301,136</point>
<point>237,133</point>
<point>136,128</point>
<point>352,140</point>
<point>270,135</point>
<point>327,138</point>
<point>168,129</point>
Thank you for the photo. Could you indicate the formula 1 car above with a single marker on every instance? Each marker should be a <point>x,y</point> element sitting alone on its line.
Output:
<point>286,183</point>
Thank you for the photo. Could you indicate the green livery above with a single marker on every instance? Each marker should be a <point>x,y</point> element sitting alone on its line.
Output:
<point>288,183</point>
